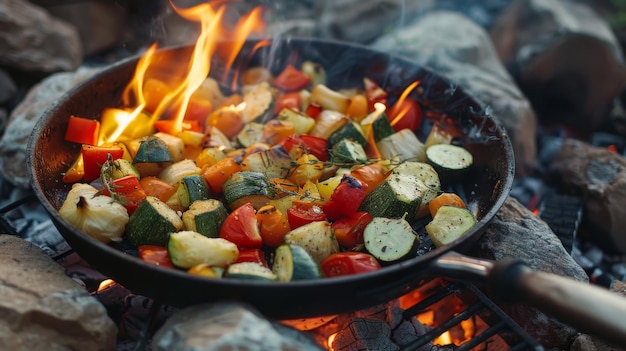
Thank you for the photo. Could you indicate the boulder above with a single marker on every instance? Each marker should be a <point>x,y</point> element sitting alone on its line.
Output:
<point>458,48</point>
<point>41,308</point>
<point>565,58</point>
<point>34,41</point>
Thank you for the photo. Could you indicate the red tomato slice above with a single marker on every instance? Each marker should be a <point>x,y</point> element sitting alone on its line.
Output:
<point>156,255</point>
<point>345,199</point>
<point>300,215</point>
<point>405,115</point>
<point>348,263</point>
<point>291,79</point>
<point>241,228</point>
<point>95,156</point>
<point>252,255</point>
<point>288,100</point>
<point>82,130</point>
<point>349,230</point>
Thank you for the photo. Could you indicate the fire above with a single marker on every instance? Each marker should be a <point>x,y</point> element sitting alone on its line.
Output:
<point>403,97</point>
<point>167,86</point>
<point>105,284</point>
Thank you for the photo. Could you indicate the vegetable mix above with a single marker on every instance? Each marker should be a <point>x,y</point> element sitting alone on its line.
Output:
<point>286,180</point>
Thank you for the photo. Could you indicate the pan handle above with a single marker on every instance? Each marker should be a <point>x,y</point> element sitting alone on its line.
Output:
<point>590,309</point>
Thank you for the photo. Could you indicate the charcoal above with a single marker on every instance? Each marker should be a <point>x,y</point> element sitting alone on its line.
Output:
<point>364,334</point>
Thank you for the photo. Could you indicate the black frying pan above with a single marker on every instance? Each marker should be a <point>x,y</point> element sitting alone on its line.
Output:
<point>485,188</point>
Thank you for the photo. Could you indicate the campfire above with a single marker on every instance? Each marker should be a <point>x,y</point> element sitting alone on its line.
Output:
<point>439,314</point>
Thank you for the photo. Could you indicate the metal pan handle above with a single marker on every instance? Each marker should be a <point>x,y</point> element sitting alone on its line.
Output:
<point>590,309</point>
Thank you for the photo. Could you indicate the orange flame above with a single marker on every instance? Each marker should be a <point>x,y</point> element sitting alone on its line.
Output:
<point>401,99</point>
<point>164,83</point>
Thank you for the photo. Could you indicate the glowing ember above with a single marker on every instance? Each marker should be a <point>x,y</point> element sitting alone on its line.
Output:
<point>105,284</point>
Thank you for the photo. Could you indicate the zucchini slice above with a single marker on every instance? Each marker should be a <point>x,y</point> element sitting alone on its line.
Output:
<point>259,103</point>
<point>397,196</point>
<point>243,187</point>
<point>427,174</point>
<point>389,239</point>
<point>450,161</point>
<point>205,217</point>
<point>292,262</point>
<point>349,131</point>
<point>449,224</point>
<point>152,222</point>
<point>152,156</point>
<point>348,151</point>
<point>249,271</point>
<point>188,249</point>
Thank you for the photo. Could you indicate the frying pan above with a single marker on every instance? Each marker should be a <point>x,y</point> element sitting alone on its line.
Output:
<point>485,188</point>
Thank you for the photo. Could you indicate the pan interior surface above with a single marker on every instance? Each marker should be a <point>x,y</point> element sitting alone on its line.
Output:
<point>485,188</point>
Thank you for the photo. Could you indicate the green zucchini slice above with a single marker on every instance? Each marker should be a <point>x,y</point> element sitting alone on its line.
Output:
<point>292,262</point>
<point>449,224</point>
<point>450,161</point>
<point>389,239</point>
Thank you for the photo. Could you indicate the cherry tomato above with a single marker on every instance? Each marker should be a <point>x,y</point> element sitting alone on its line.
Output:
<point>291,79</point>
<point>241,228</point>
<point>252,255</point>
<point>405,115</point>
<point>129,192</point>
<point>349,230</point>
<point>348,263</point>
<point>156,255</point>
<point>288,100</point>
<point>301,215</point>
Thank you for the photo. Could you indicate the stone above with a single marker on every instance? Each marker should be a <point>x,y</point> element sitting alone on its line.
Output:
<point>599,177</point>
<point>513,233</point>
<point>463,52</point>
<point>227,326</point>
<point>41,308</point>
<point>8,89</point>
<point>565,58</point>
<point>99,24</point>
<point>34,41</point>
<point>13,144</point>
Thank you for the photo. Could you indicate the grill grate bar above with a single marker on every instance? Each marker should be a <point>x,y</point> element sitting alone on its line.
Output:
<point>482,337</point>
<point>432,299</point>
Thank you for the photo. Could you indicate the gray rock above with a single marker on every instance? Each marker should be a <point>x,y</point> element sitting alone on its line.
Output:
<point>456,47</point>
<point>513,233</point>
<point>24,117</point>
<point>227,326</point>
<point>32,40</point>
<point>8,89</point>
<point>41,308</point>
<point>599,176</point>
<point>565,58</point>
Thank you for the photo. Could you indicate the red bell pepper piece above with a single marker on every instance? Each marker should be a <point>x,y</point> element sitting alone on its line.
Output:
<point>374,93</point>
<point>313,145</point>
<point>128,191</point>
<point>313,110</point>
<point>82,130</point>
<point>291,79</point>
<point>301,215</point>
<point>241,228</point>
<point>348,263</point>
<point>156,255</point>
<point>349,230</point>
<point>345,199</point>
<point>95,156</point>
<point>252,255</point>
<point>405,114</point>
<point>288,100</point>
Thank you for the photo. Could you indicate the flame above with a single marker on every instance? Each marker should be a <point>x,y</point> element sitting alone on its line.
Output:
<point>401,99</point>
<point>164,82</point>
<point>372,149</point>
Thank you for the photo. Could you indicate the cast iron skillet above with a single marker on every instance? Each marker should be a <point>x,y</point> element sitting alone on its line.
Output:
<point>485,188</point>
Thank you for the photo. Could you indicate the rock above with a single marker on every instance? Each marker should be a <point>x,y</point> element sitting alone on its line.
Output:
<point>8,89</point>
<point>227,326</point>
<point>599,177</point>
<point>462,51</point>
<point>99,24</point>
<point>565,58</point>
<point>585,342</point>
<point>23,118</point>
<point>32,40</point>
<point>511,234</point>
<point>41,308</point>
